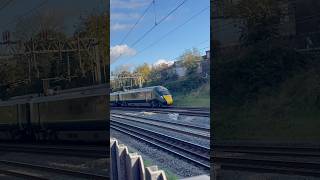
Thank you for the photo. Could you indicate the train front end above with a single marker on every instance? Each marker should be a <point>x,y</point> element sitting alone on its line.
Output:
<point>165,96</point>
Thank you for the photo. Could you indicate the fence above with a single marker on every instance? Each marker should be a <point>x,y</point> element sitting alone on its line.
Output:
<point>130,166</point>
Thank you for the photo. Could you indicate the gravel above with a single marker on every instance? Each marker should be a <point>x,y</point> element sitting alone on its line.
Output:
<point>189,138</point>
<point>165,123</point>
<point>163,160</point>
<point>174,117</point>
<point>180,167</point>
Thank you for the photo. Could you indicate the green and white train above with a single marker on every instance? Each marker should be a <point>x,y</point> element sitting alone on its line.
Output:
<point>155,96</point>
<point>73,115</point>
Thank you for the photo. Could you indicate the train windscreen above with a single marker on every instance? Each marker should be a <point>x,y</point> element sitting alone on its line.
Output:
<point>163,91</point>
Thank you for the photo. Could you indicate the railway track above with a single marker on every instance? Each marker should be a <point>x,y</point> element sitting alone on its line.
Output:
<point>272,150</point>
<point>269,159</point>
<point>188,129</point>
<point>22,170</point>
<point>197,154</point>
<point>61,150</point>
<point>185,125</point>
<point>200,112</point>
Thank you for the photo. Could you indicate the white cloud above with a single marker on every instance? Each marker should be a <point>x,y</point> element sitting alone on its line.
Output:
<point>163,61</point>
<point>123,16</point>
<point>128,4</point>
<point>121,51</point>
<point>119,27</point>
<point>123,67</point>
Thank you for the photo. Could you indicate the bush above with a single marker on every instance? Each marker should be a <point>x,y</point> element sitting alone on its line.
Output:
<point>185,85</point>
<point>260,69</point>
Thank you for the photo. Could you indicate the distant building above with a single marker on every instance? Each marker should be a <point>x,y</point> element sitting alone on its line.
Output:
<point>179,69</point>
<point>203,66</point>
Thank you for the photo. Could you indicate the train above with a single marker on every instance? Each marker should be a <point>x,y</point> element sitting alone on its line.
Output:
<point>154,96</point>
<point>78,115</point>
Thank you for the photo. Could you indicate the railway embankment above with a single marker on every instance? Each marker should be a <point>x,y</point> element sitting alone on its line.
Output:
<point>199,97</point>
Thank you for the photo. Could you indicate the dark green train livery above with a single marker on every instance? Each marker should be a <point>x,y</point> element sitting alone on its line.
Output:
<point>155,96</point>
<point>73,115</point>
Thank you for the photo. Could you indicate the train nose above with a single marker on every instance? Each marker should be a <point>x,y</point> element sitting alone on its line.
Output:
<point>168,99</point>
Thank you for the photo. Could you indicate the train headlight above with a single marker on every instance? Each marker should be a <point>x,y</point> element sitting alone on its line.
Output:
<point>168,99</point>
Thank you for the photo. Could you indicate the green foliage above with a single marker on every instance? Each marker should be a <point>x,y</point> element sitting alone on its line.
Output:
<point>10,71</point>
<point>190,59</point>
<point>243,78</point>
<point>97,26</point>
<point>143,70</point>
<point>170,175</point>
<point>258,19</point>
<point>289,113</point>
<point>161,74</point>
<point>199,97</point>
<point>186,84</point>
<point>16,69</point>
<point>165,75</point>
<point>267,90</point>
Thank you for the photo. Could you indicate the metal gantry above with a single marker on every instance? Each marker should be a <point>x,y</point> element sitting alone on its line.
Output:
<point>31,51</point>
<point>128,81</point>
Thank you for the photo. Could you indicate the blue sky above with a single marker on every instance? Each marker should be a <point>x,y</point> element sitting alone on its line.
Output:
<point>125,13</point>
<point>68,12</point>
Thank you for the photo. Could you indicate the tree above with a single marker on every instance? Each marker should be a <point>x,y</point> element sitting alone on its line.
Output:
<point>97,26</point>
<point>144,70</point>
<point>31,27</point>
<point>259,19</point>
<point>190,60</point>
<point>122,68</point>
<point>36,29</point>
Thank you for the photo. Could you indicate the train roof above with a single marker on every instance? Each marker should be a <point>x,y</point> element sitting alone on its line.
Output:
<point>145,89</point>
<point>16,101</point>
<point>98,90</point>
<point>72,94</point>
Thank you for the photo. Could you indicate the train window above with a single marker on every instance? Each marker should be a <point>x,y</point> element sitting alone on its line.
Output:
<point>163,91</point>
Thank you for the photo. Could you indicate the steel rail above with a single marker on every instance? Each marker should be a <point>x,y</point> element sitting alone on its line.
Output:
<point>163,136</point>
<point>24,175</point>
<point>265,165</point>
<point>186,112</point>
<point>157,124</point>
<point>91,152</point>
<point>158,143</point>
<point>270,150</point>
<point>164,121</point>
<point>281,159</point>
<point>54,170</point>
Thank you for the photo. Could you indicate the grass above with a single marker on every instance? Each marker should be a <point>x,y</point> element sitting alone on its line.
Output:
<point>199,97</point>
<point>169,174</point>
<point>289,114</point>
<point>147,163</point>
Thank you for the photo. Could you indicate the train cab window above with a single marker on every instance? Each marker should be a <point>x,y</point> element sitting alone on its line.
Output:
<point>163,91</point>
